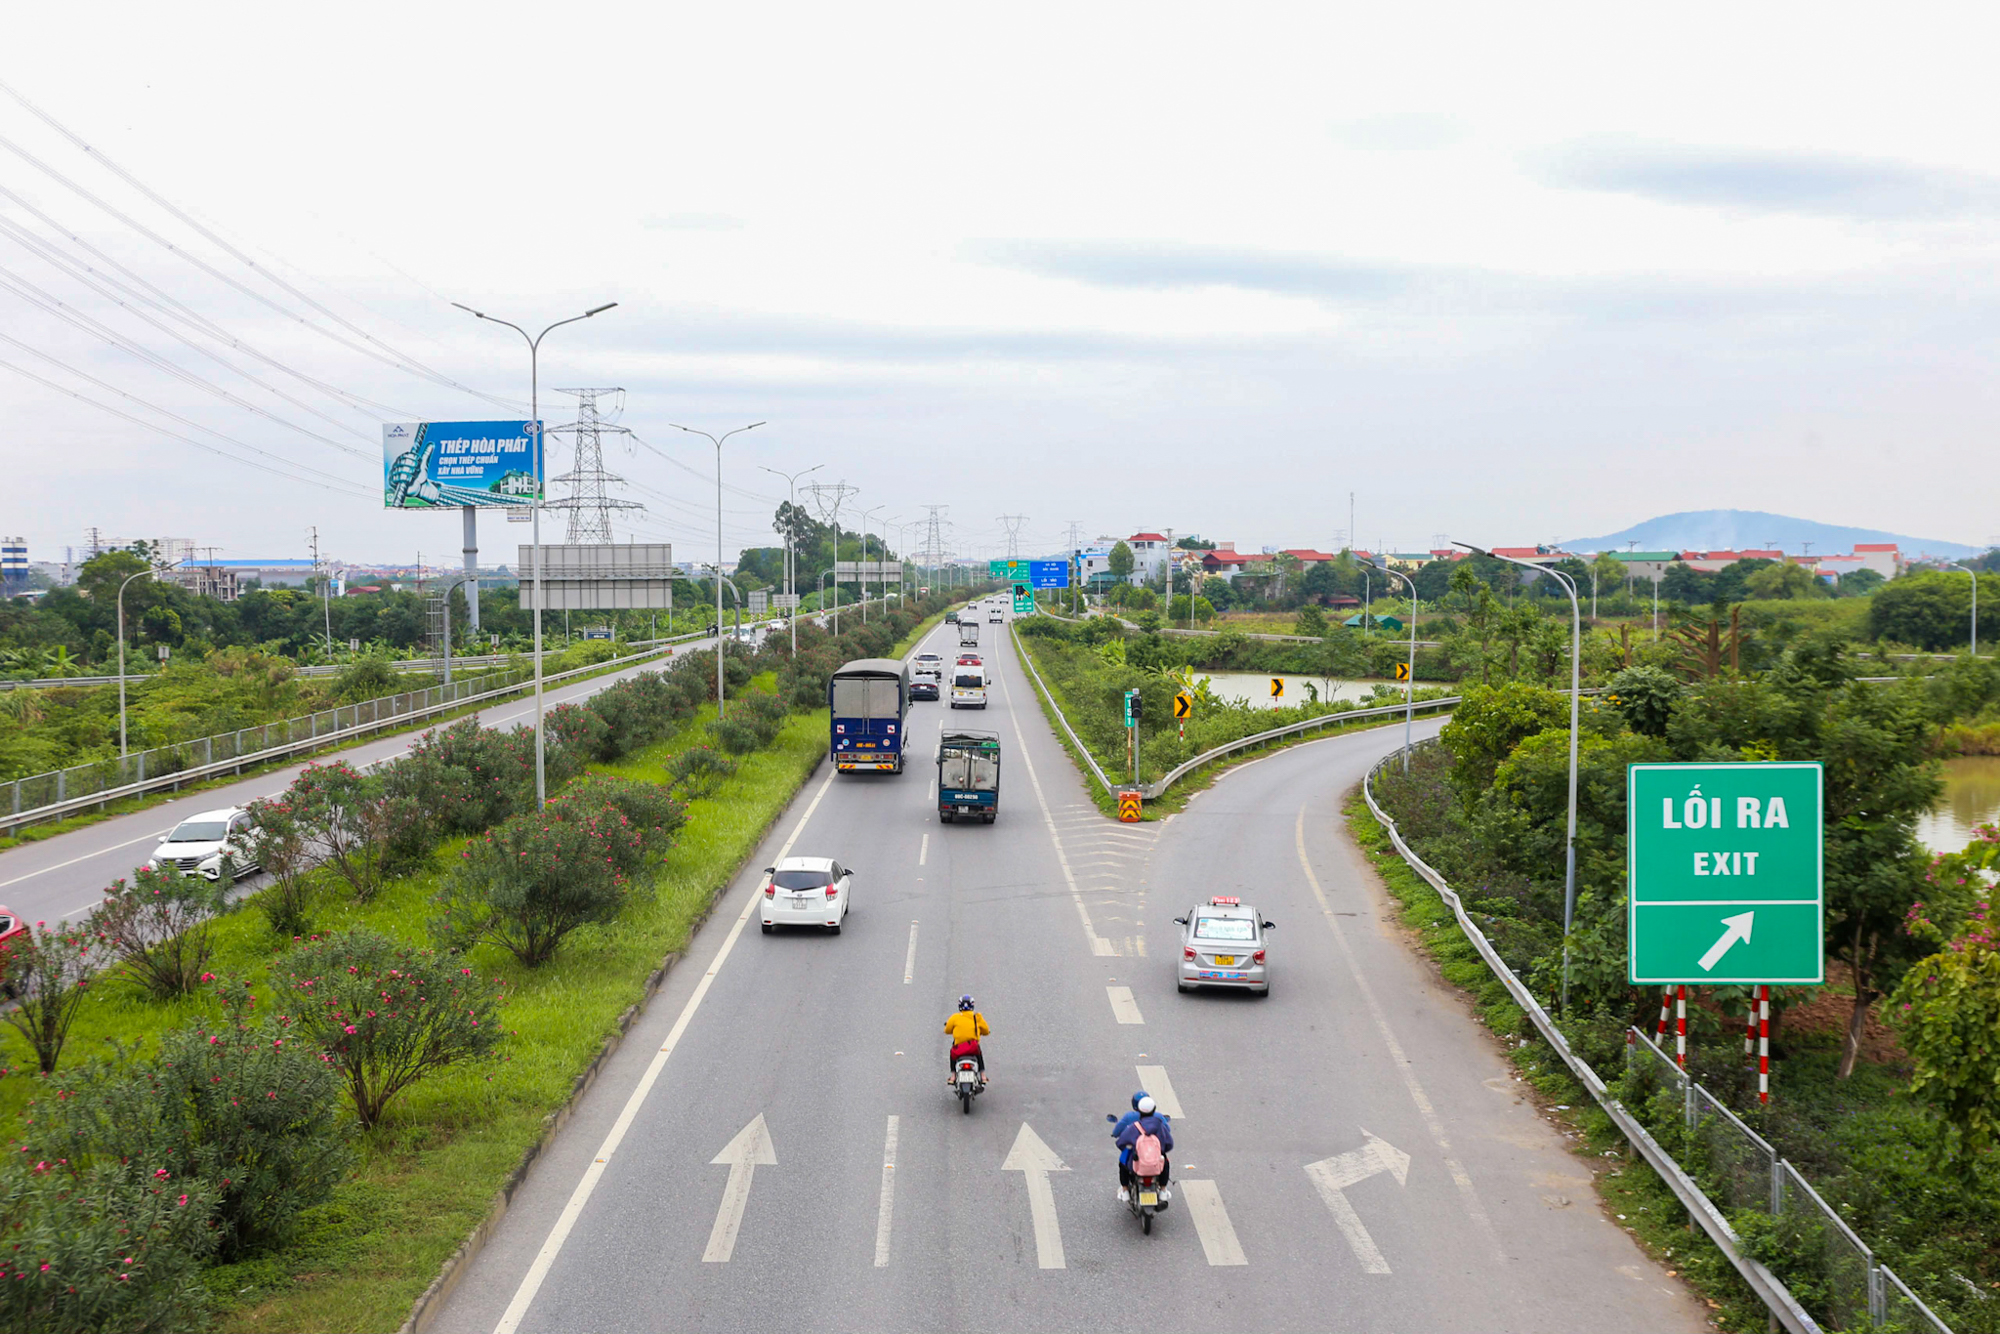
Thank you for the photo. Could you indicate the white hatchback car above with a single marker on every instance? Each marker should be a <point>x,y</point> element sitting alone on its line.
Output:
<point>198,844</point>
<point>806,891</point>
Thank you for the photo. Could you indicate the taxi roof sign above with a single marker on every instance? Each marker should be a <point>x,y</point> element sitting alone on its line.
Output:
<point>1224,901</point>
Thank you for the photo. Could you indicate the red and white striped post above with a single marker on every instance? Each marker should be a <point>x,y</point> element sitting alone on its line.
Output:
<point>1666,1012</point>
<point>1764,1044</point>
<point>1750,1028</point>
<point>1681,1026</point>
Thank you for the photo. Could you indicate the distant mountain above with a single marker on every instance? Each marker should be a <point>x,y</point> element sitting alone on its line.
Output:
<point>1735,530</point>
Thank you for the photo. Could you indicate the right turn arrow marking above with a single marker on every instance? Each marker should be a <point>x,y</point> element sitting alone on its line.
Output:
<point>1734,929</point>
<point>1334,1175</point>
<point>1035,1160</point>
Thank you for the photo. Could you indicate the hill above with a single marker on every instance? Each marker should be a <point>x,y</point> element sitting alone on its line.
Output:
<point>1735,530</point>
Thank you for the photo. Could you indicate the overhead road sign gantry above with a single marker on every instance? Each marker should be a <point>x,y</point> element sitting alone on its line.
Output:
<point>1726,873</point>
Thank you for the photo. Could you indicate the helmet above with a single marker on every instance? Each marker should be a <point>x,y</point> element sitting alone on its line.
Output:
<point>1139,1097</point>
<point>965,1003</point>
<point>1145,1105</point>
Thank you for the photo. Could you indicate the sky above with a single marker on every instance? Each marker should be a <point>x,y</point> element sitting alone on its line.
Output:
<point>1502,276</point>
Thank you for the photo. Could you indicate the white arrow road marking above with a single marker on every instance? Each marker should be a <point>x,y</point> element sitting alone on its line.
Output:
<point>1034,1160</point>
<point>1211,1223</point>
<point>910,959</point>
<point>1123,1007</point>
<point>1425,1108</point>
<point>531,1282</point>
<point>1334,1175</point>
<point>1153,1079</point>
<point>1735,928</point>
<point>887,1208</point>
<point>750,1150</point>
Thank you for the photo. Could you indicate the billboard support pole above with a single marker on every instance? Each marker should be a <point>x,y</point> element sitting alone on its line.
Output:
<point>472,567</point>
<point>541,593</point>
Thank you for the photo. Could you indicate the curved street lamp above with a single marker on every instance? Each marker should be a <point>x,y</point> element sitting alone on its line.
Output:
<point>791,556</point>
<point>717,442</point>
<point>1410,687</point>
<point>1975,605</point>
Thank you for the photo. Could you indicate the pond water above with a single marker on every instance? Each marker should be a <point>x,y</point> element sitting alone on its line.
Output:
<point>1255,687</point>
<point>1971,798</point>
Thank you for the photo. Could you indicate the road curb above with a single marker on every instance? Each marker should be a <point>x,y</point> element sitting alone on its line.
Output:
<point>431,1301</point>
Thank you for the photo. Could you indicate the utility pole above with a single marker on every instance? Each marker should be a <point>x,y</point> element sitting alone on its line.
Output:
<point>325,590</point>
<point>1075,569</point>
<point>826,499</point>
<point>717,441</point>
<point>791,556</point>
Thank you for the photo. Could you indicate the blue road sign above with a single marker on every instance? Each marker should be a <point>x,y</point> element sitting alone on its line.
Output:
<point>1048,573</point>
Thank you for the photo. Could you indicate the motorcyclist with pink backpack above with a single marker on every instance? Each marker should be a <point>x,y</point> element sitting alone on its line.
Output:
<point>1145,1136</point>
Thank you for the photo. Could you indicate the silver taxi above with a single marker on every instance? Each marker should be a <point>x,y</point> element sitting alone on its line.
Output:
<point>1223,944</point>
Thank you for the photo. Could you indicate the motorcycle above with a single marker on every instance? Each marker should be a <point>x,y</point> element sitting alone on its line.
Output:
<point>966,1083</point>
<point>1147,1195</point>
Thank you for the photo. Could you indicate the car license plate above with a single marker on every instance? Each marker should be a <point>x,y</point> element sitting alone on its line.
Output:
<point>1149,1197</point>
<point>1225,960</point>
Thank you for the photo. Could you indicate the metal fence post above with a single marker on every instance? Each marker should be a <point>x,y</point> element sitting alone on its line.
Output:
<point>1878,1313</point>
<point>61,775</point>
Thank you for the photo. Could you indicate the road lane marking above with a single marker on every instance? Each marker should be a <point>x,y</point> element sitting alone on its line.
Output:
<point>1432,1122</point>
<point>743,1155</point>
<point>887,1207</point>
<point>1034,1160</point>
<point>531,1282</point>
<point>1123,1007</point>
<point>1153,1079</point>
<point>1098,944</point>
<point>1211,1223</point>
<point>924,850</point>
<point>1332,1176</point>
<point>143,838</point>
<point>910,959</point>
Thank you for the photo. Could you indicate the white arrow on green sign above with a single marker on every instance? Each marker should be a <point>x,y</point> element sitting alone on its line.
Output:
<point>1726,881</point>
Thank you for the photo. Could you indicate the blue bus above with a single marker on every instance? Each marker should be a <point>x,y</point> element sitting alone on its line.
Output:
<point>867,699</point>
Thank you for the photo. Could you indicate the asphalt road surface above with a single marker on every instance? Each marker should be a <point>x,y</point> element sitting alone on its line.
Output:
<point>63,877</point>
<point>774,1147</point>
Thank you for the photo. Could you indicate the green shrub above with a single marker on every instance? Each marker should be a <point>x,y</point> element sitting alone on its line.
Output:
<point>536,878</point>
<point>752,723</point>
<point>285,853</point>
<point>388,1014</point>
<point>239,1103</point>
<point>161,927</point>
<point>354,824</point>
<point>649,810</point>
<point>580,729</point>
<point>110,1248</point>
<point>47,971</point>
<point>465,778</point>
<point>697,771</point>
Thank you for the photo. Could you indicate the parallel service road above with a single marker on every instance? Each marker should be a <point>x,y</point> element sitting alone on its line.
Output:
<point>64,876</point>
<point>774,1147</point>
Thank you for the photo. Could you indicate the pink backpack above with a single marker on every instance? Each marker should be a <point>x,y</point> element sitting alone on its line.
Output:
<point>1148,1160</point>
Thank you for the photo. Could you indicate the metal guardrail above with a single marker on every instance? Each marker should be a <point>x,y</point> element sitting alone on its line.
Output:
<point>1049,695</point>
<point>115,780</point>
<point>1738,1145</point>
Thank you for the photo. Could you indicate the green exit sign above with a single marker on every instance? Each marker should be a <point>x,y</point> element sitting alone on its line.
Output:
<point>1726,882</point>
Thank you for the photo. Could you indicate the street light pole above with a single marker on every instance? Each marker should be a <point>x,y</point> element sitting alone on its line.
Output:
<point>1975,609</point>
<point>534,343</point>
<point>1410,687</point>
<point>1575,685</point>
<point>791,556</point>
<point>121,655</point>
<point>717,442</point>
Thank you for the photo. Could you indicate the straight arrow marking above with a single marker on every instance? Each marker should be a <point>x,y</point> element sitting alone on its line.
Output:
<point>1734,929</point>
<point>1034,1160</point>
<point>1332,1176</point>
<point>750,1150</point>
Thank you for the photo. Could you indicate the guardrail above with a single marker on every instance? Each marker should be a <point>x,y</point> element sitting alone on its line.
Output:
<point>1700,1109</point>
<point>1050,696</point>
<point>238,753</point>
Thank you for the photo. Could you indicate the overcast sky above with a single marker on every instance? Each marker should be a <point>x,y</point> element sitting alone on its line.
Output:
<point>1148,265</point>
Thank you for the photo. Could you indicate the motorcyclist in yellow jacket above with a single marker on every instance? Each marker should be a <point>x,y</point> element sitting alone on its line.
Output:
<point>965,1028</point>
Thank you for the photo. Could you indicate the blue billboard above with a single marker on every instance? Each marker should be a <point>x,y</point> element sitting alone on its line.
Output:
<point>1048,573</point>
<point>438,465</point>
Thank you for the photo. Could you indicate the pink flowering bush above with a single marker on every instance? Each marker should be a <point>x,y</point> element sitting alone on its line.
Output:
<point>106,1248</point>
<point>384,1014</point>
<point>352,823</point>
<point>285,849</point>
<point>539,876</point>
<point>242,1103</point>
<point>47,970</point>
<point>160,927</point>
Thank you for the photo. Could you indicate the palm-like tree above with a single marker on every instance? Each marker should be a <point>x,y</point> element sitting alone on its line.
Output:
<point>59,661</point>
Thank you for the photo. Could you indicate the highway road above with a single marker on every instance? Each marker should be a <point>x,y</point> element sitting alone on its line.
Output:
<point>64,876</point>
<point>774,1147</point>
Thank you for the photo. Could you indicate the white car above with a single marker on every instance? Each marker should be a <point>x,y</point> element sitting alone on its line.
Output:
<point>198,844</point>
<point>806,891</point>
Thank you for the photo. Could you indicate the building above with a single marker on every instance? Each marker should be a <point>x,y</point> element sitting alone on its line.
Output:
<point>1227,563</point>
<point>1149,556</point>
<point>215,581</point>
<point>1648,565</point>
<point>1882,557</point>
<point>13,564</point>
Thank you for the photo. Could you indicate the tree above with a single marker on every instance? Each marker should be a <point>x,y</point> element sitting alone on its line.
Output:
<point>1435,578</point>
<point>161,927</point>
<point>1311,621</point>
<point>1784,580</point>
<point>49,971</point>
<point>1607,574</point>
<point>1859,583</point>
<point>1931,609</point>
<point>1120,562</point>
<point>1686,585</point>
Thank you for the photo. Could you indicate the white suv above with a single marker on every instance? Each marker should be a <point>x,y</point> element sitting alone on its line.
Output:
<point>198,844</point>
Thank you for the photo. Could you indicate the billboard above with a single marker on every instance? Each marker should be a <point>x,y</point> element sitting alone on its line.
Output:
<point>622,576</point>
<point>435,465</point>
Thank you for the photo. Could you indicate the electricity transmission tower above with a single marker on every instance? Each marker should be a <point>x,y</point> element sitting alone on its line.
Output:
<point>934,539</point>
<point>588,502</point>
<point>1014,523</point>
<point>827,497</point>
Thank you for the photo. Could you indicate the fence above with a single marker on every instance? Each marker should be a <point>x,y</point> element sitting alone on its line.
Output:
<point>1741,1169</point>
<point>67,791</point>
<point>1739,1166</point>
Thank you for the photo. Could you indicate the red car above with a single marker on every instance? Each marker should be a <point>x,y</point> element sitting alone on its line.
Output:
<point>970,660</point>
<point>11,927</point>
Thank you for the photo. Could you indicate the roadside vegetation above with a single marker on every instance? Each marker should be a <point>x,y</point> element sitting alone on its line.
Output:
<point>289,1113</point>
<point>1885,1086</point>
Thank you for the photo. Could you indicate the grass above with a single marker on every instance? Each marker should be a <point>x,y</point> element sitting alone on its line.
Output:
<point>1631,1191</point>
